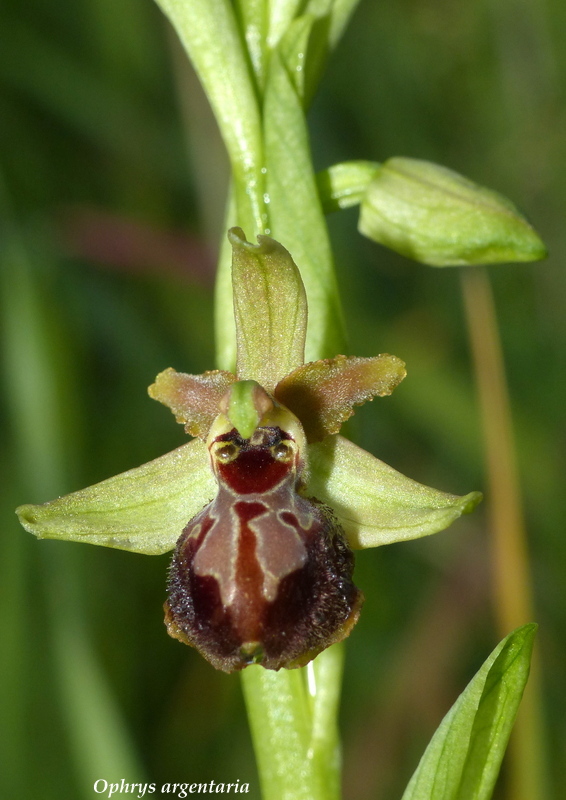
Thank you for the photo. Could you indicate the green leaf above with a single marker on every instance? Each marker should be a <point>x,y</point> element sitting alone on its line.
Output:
<point>304,50</point>
<point>281,14</point>
<point>342,10</point>
<point>339,12</point>
<point>436,216</point>
<point>305,42</point>
<point>345,184</point>
<point>270,307</point>
<point>295,213</point>
<point>255,22</point>
<point>143,510</point>
<point>293,50</point>
<point>374,503</point>
<point>209,33</point>
<point>463,758</point>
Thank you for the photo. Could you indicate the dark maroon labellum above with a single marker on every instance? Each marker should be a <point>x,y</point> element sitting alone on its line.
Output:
<point>262,574</point>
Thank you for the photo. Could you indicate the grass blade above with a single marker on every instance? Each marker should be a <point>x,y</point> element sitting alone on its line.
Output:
<point>462,761</point>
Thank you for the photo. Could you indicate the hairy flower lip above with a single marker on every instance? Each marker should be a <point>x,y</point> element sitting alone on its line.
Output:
<point>263,574</point>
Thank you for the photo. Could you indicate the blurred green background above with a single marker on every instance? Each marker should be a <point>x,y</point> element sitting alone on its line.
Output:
<point>112,183</point>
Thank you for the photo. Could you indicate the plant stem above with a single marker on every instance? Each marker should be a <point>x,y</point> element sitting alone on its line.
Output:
<point>511,579</point>
<point>293,721</point>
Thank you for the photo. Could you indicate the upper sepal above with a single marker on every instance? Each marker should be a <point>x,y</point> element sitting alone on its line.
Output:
<point>143,510</point>
<point>270,309</point>
<point>323,393</point>
<point>374,503</point>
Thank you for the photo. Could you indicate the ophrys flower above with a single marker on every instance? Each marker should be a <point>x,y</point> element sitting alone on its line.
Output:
<point>264,505</point>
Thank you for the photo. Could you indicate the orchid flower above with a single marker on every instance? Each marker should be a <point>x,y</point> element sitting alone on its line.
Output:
<point>265,504</point>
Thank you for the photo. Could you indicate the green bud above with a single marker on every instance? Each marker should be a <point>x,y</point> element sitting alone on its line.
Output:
<point>436,216</point>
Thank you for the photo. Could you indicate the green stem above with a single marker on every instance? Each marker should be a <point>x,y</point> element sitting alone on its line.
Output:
<point>324,682</point>
<point>293,721</point>
<point>511,574</point>
<point>344,185</point>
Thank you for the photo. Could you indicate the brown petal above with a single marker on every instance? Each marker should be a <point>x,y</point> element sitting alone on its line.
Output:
<point>322,394</point>
<point>193,399</point>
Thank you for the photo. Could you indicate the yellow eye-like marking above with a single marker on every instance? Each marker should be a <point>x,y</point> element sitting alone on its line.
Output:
<point>284,451</point>
<point>225,452</point>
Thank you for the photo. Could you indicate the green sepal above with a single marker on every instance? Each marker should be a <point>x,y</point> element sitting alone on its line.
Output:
<point>143,510</point>
<point>463,758</point>
<point>270,308</point>
<point>436,216</point>
<point>374,503</point>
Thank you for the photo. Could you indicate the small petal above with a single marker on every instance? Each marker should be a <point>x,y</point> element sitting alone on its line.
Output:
<point>374,503</point>
<point>193,399</point>
<point>323,393</point>
<point>270,307</point>
<point>143,510</point>
<point>434,215</point>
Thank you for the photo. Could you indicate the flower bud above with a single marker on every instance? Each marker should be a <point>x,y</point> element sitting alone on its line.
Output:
<point>436,216</point>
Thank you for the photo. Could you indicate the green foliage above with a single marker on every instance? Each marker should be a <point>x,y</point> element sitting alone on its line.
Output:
<point>463,759</point>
